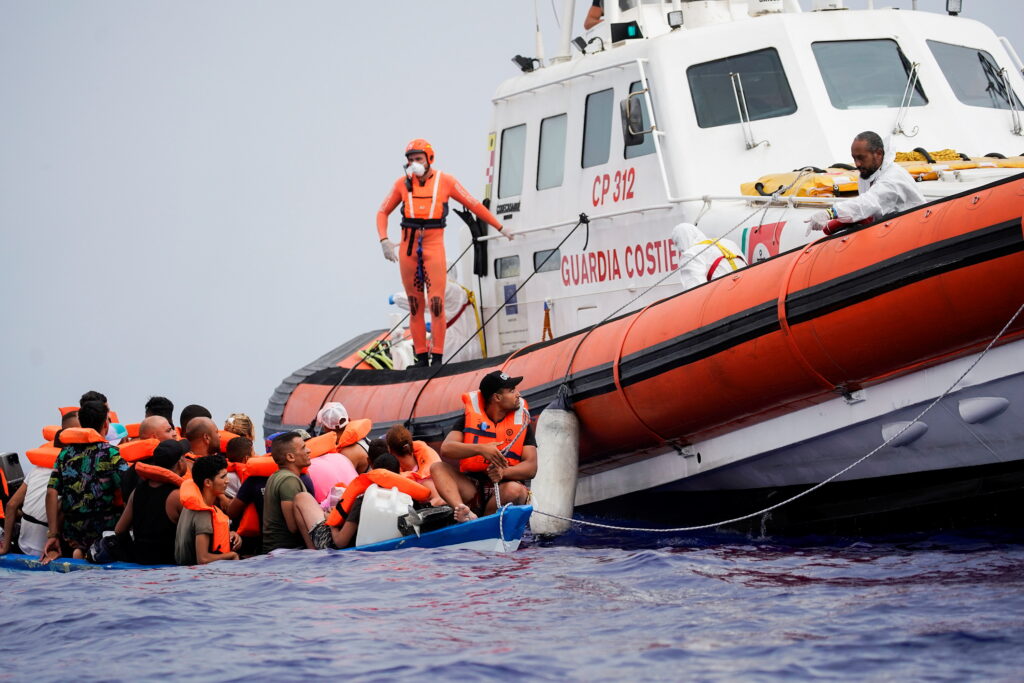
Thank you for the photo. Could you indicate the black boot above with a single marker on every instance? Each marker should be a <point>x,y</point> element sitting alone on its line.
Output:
<point>422,360</point>
<point>435,359</point>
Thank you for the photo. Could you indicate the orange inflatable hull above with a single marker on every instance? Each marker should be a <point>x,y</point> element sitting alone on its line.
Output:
<point>842,313</point>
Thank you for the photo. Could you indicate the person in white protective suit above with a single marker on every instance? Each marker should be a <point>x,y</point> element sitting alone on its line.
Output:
<point>462,324</point>
<point>701,259</point>
<point>884,187</point>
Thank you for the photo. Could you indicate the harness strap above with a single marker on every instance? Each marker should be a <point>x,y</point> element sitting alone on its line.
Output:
<point>727,255</point>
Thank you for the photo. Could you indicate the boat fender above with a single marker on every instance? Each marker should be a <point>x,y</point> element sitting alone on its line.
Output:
<point>558,451</point>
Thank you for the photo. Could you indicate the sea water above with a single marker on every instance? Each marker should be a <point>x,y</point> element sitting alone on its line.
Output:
<point>711,607</point>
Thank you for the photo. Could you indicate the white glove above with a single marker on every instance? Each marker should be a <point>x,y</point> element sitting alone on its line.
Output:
<point>818,220</point>
<point>506,233</point>
<point>389,250</point>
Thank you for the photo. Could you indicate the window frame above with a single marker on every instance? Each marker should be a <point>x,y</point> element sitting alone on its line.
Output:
<point>691,73</point>
<point>553,264</point>
<point>522,161</point>
<point>540,149</point>
<point>510,258</point>
<point>647,146</point>
<point>610,93</point>
<point>904,61</point>
<point>953,85</point>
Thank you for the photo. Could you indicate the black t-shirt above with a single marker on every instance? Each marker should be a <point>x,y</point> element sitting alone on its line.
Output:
<point>251,491</point>
<point>530,439</point>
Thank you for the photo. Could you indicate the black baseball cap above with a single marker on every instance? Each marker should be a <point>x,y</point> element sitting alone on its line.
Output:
<point>495,381</point>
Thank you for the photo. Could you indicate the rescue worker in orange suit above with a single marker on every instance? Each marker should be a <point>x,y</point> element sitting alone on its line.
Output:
<point>424,193</point>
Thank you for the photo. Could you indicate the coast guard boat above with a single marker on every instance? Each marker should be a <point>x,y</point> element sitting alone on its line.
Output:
<point>702,404</point>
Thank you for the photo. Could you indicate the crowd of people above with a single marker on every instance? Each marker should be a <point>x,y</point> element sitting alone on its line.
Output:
<point>158,494</point>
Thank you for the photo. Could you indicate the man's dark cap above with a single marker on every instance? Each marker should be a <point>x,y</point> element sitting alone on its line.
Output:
<point>168,453</point>
<point>493,382</point>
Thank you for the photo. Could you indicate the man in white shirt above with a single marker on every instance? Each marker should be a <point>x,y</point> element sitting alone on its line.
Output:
<point>884,187</point>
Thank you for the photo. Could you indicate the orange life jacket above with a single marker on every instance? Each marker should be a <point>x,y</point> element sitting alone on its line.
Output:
<point>154,473</point>
<point>67,409</point>
<point>133,429</point>
<point>425,457</point>
<point>322,445</point>
<point>509,433</point>
<point>50,431</point>
<point>240,469</point>
<point>81,435</point>
<point>249,526</point>
<point>193,500</point>
<point>385,479</point>
<point>133,451</point>
<point>420,205</point>
<point>45,456</point>
<point>260,466</point>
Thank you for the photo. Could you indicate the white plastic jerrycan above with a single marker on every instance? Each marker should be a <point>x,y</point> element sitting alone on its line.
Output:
<point>378,520</point>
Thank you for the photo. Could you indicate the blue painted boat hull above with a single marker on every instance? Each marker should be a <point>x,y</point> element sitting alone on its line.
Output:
<point>500,532</point>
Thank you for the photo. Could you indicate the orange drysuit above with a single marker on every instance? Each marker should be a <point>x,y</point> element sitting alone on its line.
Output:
<point>421,260</point>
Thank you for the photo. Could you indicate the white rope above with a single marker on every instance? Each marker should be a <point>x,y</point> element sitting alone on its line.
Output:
<point>840,473</point>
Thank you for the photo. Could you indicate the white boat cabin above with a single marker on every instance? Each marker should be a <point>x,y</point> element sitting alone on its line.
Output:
<point>737,90</point>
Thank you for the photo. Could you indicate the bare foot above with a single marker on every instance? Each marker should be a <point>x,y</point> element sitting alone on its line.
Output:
<point>464,514</point>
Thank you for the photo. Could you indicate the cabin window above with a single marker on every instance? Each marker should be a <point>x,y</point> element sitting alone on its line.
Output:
<point>547,259</point>
<point>513,151</point>
<point>597,128</point>
<point>551,156</point>
<point>506,266</point>
<point>974,76</point>
<point>866,74</point>
<point>765,88</point>
<point>647,146</point>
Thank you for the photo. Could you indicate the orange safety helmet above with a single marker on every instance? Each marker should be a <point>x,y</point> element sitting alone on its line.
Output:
<point>422,146</point>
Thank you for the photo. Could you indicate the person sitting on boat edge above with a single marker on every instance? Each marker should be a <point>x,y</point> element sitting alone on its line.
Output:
<point>204,533</point>
<point>28,504</point>
<point>154,507</point>
<point>289,511</point>
<point>83,494</point>
<point>341,435</point>
<point>495,445</point>
<point>884,187</point>
<point>415,458</point>
<point>424,193</point>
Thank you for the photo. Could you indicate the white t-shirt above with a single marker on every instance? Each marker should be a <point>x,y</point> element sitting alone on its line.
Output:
<point>32,537</point>
<point>888,190</point>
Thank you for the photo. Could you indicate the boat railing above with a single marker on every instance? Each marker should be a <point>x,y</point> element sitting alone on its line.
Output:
<point>769,201</point>
<point>908,97</point>
<point>1011,99</point>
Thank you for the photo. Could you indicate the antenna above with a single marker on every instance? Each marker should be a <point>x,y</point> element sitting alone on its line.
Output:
<point>568,16</point>
<point>538,35</point>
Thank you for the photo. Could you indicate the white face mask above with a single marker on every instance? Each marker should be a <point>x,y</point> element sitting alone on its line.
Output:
<point>415,168</point>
